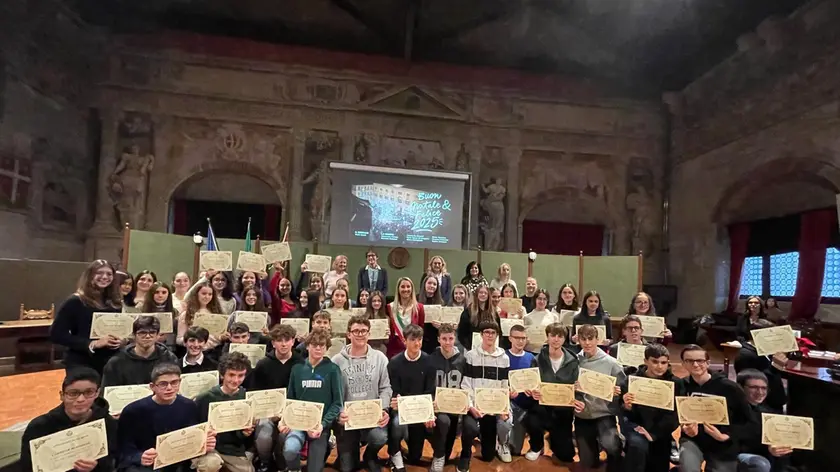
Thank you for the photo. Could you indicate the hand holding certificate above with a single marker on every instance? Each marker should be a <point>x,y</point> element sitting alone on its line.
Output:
<point>769,341</point>
<point>193,385</point>
<point>706,409</point>
<point>256,320</point>
<point>415,409</point>
<point>433,313</point>
<point>379,329</point>
<point>119,397</point>
<point>118,325</point>
<point>302,416</point>
<point>507,323</point>
<point>231,415</point>
<point>492,401</point>
<point>220,261</point>
<point>301,325</point>
<point>652,326</point>
<point>267,403</point>
<point>795,432</point>
<point>278,252</point>
<point>254,352</point>
<point>554,394</point>
<point>454,401</point>
<point>58,452</point>
<point>215,324</point>
<point>363,414</point>
<point>250,262</point>
<point>597,384</point>
<point>451,315</point>
<point>632,355</point>
<point>318,264</point>
<point>652,392</point>
<point>524,379</point>
<point>181,445</point>
<point>339,319</point>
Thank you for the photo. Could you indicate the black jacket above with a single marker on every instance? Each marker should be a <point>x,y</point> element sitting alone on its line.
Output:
<point>448,372</point>
<point>127,368</point>
<point>613,352</point>
<point>363,280</point>
<point>659,423</point>
<point>71,329</point>
<point>748,358</point>
<point>584,319</point>
<point>271,373</point>
<point>740,415</point>
<point>411,378</point>
<point>566,374</point>
<point>57,420</point>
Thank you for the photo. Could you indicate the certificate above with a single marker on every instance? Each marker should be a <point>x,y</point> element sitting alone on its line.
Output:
<point>318,264</point>
<point>510,305</point>
<point>302,416</point>
<point>339,319</point>
<point>415,409</point>
<point>492,401</point>
<point>602,332</point>
<point>193,385</point>
<point>215,324</point>
<point>451,315</point>
<point>120,396</point>
<point>454,401</point>
<point>706,409</point>
<point>362,414</point>
<point>652,392</point>
<point>256,320</point>
<point>267,403</point>
<point>432,312</point>
<point>476,341</point>
<point>58,451</point>
<point>536,337</point>
<point>555,394</point>
<point>379,329</point>
<point>165,320</point>
<point>220,261</point>
<point>278,252</point>
<point>336,345</point>
<point>507,323</point>
<point>795,432</point>
<point>301,325</point>
<point>652,326</point>
<point>119,325</point>
<point>632,355</point>
<point>231,415</point>
<point>524,379</point>
<point>769,341</point>
<point>597,384</point>
<point>250,262</point>
<point>254,352</point>
<point>567,317</point>
<point>181,445</point>
<point>358,311</point>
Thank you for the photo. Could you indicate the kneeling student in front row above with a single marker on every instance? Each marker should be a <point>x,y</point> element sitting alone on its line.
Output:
<point>80,404</point>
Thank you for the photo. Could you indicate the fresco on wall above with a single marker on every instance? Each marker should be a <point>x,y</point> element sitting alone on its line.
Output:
<point>412,153</point>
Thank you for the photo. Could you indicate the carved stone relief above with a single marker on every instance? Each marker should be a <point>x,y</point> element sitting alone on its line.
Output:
<point>321,148</point>
<point>412,153</point>
<point>493,198</point>
<point>128,184</point>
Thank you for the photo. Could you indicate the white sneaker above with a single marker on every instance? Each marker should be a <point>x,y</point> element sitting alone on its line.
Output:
<point>397,462</point>
<point>437,464</point>
<point>533,455</point>
<point>504,453</point>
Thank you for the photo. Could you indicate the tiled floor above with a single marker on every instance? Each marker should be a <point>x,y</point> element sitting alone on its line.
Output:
<point>28,395</point>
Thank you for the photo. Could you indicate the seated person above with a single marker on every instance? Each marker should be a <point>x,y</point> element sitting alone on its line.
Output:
<point>647,431</point>
<point>754,456</point>
<point>80,404</point>
<point>316,380</point>
<point>195,339</point>
<point>142,421</point>
<point>133,365</point>
<point>231,445</point>
<point>771,366</point>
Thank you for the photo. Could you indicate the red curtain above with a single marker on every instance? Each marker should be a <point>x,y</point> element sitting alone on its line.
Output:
<point>739,239</point>
<point>814,237</point>
<point>272,222</point>
<point>552,237</point>
<point>179,223</point>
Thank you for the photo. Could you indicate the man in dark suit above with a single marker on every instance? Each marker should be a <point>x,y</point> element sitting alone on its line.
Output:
<point>372,277</point>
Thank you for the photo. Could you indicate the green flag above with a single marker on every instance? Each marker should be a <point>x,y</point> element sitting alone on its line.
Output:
<point>248,237</point>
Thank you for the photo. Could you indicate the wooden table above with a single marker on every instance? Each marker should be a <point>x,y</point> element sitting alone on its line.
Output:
<point>35,329</point>
<point>813,393</point>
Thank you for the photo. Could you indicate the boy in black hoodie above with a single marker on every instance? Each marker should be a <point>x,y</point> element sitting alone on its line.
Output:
<point>753,455</point>
<point>448,364</point>
<point>133,365</point>
<point>647,430</point>
<point>273,371</point>
<point>80,404</point>
<point>718,445</point>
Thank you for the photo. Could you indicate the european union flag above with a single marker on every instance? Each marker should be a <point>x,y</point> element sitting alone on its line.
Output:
<point>212,245</point>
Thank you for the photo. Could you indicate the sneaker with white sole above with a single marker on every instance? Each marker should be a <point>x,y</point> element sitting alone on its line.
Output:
<point>397,462</point>
<point>504,453</point>
<point>533,455</point>
<point>463,464</point>
<point>437,464</point>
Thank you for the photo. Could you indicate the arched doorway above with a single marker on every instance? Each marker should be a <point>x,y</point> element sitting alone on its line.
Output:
<point>565,221</point>
<point>228,199</point>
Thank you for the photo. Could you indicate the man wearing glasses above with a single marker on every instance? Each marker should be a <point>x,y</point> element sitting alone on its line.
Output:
<point>133,365</point>
<point>165,411</point>
<point>753,455</point>
<point>718,445</point>
<point>79,405</point>
<point>364,376</point>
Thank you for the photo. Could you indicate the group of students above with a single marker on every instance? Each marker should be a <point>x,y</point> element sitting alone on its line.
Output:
<point>417,358</point>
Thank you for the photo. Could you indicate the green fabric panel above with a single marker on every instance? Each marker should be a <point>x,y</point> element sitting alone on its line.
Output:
<point>616,278</point>
<point>456,262</point>
<point>552,271</point>
<point>162,253</point>
<point>490,262</point>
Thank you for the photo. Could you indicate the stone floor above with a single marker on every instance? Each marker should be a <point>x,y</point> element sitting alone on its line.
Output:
<point>28,395</point>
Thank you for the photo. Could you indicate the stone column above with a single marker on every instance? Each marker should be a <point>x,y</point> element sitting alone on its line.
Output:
<point>512,157</point>
<point>476,151</point>
<point>293,211</point>
<point>103,239</point>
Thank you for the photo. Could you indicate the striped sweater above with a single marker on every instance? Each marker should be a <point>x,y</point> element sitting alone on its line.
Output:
<point>485,370</point>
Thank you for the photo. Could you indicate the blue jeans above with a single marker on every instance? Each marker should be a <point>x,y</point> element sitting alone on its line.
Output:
<point>317,450</point>
<point>753,463</point>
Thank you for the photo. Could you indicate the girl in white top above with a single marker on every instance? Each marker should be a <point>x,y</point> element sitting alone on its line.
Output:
<point>222,286</point>
<point>503,277</point>
<point>180,285</point>
<point>339,271</point>
<point>541,316</point>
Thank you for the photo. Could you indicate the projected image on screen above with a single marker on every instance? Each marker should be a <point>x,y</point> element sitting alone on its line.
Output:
<point>396,210</point>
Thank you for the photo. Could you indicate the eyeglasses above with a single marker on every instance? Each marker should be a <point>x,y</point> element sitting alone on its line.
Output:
<point>633,328</point>
<point>695,361</point>
<point>74,394</point>
<point>163,384</point>
<point>360,332</point>
<point>489,332</point>
<point>146,333</point>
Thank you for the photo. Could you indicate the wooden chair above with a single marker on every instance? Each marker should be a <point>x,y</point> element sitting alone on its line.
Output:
<point>38,345</point>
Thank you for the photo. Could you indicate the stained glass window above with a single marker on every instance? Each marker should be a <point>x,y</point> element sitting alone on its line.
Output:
<point>831,279</point>
<point>783,271</point>
<point>751,276</point>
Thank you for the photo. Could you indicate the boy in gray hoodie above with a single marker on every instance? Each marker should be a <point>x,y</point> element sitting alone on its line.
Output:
<point>364,376</point>
<point>596,425</point>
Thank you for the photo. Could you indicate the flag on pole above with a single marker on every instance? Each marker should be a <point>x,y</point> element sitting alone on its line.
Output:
<point>248,237</point>
<point>212,245</point>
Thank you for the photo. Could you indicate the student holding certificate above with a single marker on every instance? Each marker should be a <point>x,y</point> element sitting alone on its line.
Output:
<point>448,363</point>
<point>478,311</point>
<point>133,365</point>
<point>595,423</point>
<point>647,430</point>
<point>754,455</point>
<point>96,292</point>
<point>519,359</point>
<point>642,305</point>
<point>194,360</point>
<point>716,444</point>
<point>200,300</point>
<point>487,367</point>
<point>592,313</point>
<point>631,333</point>
<point>141,422</point>
<point>80,404</point>
<point>231,445</point>
<point>770,366</point>
<point>317,380</point>
<point>430,295</point>
<point>159,300</point>
<point>557,365</point>
<point>364,376</point>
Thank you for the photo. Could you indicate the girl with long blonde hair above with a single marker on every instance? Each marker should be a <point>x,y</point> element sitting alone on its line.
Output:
<point>403,311</point>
